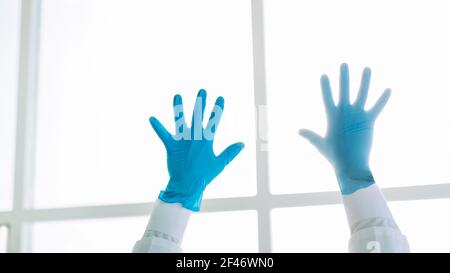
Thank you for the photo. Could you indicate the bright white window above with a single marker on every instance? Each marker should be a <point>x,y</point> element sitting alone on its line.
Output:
<point>92,72</point>
<point>305,39</point>
<point>107,66</point>
<point>425,223</point>
<point>233,231</point>
<point>92,235</point>
<point>9,50</point>
<point>310,229</point>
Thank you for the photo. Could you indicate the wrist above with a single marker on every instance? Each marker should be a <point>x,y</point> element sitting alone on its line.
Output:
<point>188,193</point>
<point>352,181</point>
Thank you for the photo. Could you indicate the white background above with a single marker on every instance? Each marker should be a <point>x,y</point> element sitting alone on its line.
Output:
<point>406,46</point>
<point>106,66</point>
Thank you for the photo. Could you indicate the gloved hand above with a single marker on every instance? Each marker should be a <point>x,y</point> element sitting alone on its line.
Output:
<point>191,162</point>
<point>348,139</point>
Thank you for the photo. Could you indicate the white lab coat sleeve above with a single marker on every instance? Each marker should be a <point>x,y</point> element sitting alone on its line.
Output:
<point>372,226</point>
<point>165,230</point>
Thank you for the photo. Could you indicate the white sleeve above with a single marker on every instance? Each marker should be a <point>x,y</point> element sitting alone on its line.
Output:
<point>373,228</point>
<point>165,230</point>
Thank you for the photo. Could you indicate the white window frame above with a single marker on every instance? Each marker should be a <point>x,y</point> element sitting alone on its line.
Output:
<point>18,219</point>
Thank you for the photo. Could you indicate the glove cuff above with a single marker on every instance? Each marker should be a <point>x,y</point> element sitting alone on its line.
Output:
<point>351,182</point>
<point>189,194</point>
<point>187,202</point>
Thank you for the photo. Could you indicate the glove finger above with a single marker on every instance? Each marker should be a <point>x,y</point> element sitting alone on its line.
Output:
<point>363,89</point>
<point>178,111</point>
<point>162,133</point>
<point>344,87</point>
<point>327,94</point>
<point>379,105</point>
<point>313,138</point>
<point>197,116</point>
<point>214,119</point>
<point>230,153</point>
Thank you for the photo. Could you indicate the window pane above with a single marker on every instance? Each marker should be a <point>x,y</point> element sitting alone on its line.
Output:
<point>3,239</point>
<point>98,235</point>
<point>310,229</point>
<point>305,39</point>
<point>9,41</point>
<point>107,66</point>
<point>235,231</point>
<point>206,232</point>
<point>425,223</point>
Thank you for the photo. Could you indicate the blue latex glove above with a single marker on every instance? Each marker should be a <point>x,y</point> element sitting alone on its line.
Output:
<point>191,161</point>
<point>348,139</point>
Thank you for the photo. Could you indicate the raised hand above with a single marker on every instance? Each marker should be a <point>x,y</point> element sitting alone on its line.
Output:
<point>191,161</point>
<point>348,140</point>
